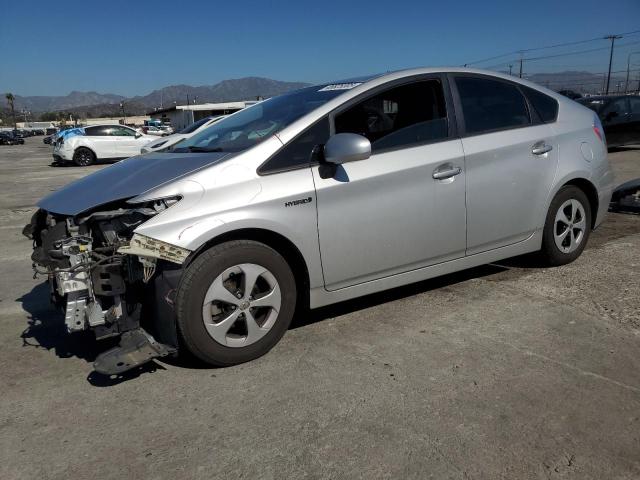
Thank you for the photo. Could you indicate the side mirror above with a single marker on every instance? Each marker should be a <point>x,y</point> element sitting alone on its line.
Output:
<point>138,135</point>
<point>346,147</point>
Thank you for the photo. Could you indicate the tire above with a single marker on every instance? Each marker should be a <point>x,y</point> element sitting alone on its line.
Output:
<point>83,157</point>
<point>556,249</point>
<point>213,324</point>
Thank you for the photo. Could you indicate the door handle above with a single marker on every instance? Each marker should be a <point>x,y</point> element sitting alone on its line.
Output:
<point>541,148</point>
<point>449,172</point>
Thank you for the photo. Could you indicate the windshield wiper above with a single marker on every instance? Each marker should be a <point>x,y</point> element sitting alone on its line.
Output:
<point>193,148</point>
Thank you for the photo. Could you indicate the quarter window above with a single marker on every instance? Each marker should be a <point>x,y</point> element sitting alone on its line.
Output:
<point>489,105</point>
<point>399,117</point>
<point>297,152</point>
<point>545,106</point>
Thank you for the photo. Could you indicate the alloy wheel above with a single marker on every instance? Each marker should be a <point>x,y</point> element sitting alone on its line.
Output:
<point>241,305</point>
<point>569,226</point>
<point>84,158</point>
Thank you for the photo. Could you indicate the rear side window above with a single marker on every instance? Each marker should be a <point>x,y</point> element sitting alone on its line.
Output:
<point>399,117</point>
<point>545,106</point>
<point>96,131</point>
<point>490,105</point>
<point>297,152</point>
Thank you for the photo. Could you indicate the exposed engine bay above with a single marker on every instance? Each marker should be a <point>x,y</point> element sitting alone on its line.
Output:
<point>100,274</point>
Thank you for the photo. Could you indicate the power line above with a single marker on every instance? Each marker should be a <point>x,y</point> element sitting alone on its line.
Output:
<point>578,42</point>
<point>579,52</point>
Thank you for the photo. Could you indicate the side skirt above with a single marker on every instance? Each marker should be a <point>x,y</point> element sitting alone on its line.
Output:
<point>320,297</point>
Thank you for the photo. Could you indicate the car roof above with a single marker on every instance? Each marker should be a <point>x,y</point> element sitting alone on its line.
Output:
<point>408,72</point>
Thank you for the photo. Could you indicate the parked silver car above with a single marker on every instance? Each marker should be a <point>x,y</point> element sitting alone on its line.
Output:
<point>314,197</point>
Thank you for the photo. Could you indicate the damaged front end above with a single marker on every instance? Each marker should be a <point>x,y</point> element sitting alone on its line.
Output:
<point>110,280</point>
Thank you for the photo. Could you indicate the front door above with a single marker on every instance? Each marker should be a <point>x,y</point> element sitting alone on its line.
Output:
<point>403,208</point>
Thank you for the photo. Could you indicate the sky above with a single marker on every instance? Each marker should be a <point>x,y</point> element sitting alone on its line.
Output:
<point>133,47</point>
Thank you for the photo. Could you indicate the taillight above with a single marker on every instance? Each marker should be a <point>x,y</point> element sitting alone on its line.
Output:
<point>597,128</point>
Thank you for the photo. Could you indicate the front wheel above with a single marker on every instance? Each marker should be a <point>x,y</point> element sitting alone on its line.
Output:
<point>567,227</point>
<point>83,157</point>
<point>235,302</point>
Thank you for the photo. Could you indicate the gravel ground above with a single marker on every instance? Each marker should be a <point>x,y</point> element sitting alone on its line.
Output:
<point>503,371</point>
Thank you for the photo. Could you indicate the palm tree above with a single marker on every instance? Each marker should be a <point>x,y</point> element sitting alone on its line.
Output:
<point>10,99</point>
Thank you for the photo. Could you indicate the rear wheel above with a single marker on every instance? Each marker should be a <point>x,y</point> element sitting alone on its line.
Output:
<point>567,227</point>
<point>83,157</point>
<point>235,302</point>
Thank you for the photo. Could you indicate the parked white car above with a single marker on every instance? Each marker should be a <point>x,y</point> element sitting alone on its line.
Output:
<point>99,142</point>
<point>155,131</point>
<point>164,143</point>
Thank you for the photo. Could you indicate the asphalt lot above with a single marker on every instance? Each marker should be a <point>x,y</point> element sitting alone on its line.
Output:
<point>504,371</point>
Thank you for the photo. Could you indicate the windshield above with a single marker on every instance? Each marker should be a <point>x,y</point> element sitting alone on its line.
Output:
<point>194,126</point>
<point>254,124</point>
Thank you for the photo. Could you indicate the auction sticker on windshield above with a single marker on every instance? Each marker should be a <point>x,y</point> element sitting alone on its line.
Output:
<point>340,86</point>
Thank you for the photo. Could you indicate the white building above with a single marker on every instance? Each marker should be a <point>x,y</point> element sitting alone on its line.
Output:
<point>179,116</point>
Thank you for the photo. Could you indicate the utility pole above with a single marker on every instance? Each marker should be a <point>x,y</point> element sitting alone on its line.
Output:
<point>613,39</point>
<point>626,83</point>
<point>521,54</point>
<point>510,67</point>
<point>124,115</point>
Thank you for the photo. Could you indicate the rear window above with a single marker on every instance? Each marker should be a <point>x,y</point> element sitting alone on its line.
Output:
<point>490,105</point>
<point>545,106</point>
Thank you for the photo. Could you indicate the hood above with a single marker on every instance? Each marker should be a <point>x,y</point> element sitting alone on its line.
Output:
<point>125,179</point>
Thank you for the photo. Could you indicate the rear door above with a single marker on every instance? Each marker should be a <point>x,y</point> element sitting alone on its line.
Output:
<point>511,159</point>
<point>100,141</point>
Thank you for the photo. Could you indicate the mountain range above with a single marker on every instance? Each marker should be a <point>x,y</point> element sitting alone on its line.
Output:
<point>93,104</point>
<point>248,88</point>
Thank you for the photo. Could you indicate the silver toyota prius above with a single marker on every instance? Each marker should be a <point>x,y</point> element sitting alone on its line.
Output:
<point>314,197</point>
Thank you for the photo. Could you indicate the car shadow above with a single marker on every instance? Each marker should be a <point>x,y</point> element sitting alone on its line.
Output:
<point>46,329</point>
<point>309,317</point>
<point>623,148</point>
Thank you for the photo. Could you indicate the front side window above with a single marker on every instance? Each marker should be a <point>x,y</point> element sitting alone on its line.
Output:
<point>402,116</point>
<point>489,105</point>
<point>122,132</point>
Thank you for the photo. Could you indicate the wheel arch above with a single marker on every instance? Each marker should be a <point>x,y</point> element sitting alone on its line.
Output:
<point>590,191</point>
<point>278,242</point>
<point>82,145</point>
